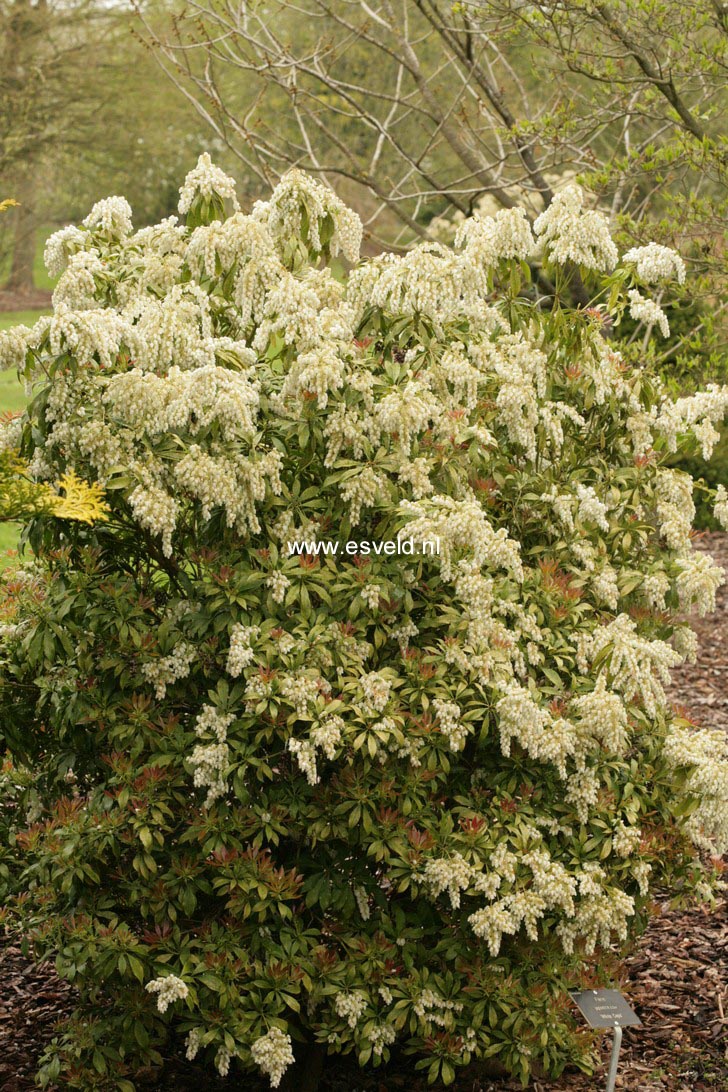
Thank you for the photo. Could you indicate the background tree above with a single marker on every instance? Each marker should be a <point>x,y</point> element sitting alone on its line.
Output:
<point>45,102</point>
<point>430,107</point>
<point>81,105</point>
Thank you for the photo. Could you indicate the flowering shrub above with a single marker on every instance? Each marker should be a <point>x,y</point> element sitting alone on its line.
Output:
<point>372,802</point>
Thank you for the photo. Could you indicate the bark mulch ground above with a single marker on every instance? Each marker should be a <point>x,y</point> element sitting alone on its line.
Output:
<point>677,978</point>
<point>703,687</point>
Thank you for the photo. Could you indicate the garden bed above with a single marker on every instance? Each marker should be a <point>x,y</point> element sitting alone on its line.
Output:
<point>676,978</point>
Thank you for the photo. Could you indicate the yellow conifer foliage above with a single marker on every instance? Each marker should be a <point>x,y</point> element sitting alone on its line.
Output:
<point>71,498</point>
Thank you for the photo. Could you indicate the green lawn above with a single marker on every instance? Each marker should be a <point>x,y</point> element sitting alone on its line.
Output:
<point>12,397</point>
<point>15,318</point>
<point>8,541</point>
<point>40,274</point>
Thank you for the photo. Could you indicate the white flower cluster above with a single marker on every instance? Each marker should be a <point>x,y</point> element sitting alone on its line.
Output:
<point>279,584</point>
<point>605,587</point>
<point>464,378</point>
<point>461,525</point>
<point>503,862</point>
<point>563,506</point>
<point>350,1006</point>
<point>636,665</point>
<point>234,483</point>
<point>319,371</point>
<point>258,688</point>
<point>491,923</point>
<point>520,367</point>
<point>14,345</point>
<point>448,715</point>
<point>571,234</point>
<point>647,311</point>
<point>720,509</point>
<point>685,641</point>
<point>641,872</point>
<point>601,716</point>
<point>376,689</point>
<point>371,594</point>
<point>305,754</point>
<point>155,510</point>
<point>602,912</point>
<point>273,1054</point>
<point>327,735</point>
<point>209,762</point>
<point>428,280</point>
<point>434,1009</point>
<point>654,263</point>
<point>533,727</point>
<point>362,491</point>
<point>77,287</point>
<point>223,1057</point>
<point>626,839</point>
<point>551,880</point>
<point>655,587</point>
<point>206,180</point>
<point>402,634</point>
<point>451,874</point>
<point>693,413</point>
<point>241,653</point>
<point>112,215</point>
<point>486,239</point>
<point>406,412</point>
<point>185,401</point>
<point>582,789</point>
<point>704,754</point>
<point>381,1036</point>
<point>87,333</point>
<point>193,1044</point>
<point>168,990</point>
<point>60,246</point>
<point>169,669</point>
<point>173,330</point>
<point>675,508</point>
<point>211,720</point>
<point>697,582</point>
<point>362,902</point>
<point>591,509</point>
<point>301,690</point>
<point>210,759</point>
<point>297,193</point>
<point>593,909</point>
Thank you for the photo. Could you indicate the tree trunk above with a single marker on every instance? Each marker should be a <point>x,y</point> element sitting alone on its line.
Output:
<point>305,1075</point>
<point>20,41</point>
<point>23,258</point>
